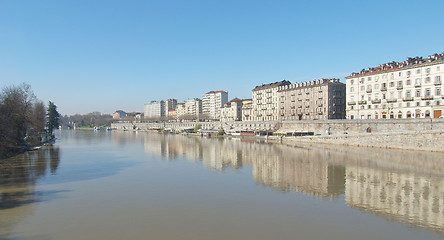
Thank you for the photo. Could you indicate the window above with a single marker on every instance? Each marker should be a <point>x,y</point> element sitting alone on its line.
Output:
<point>418,104</point>
<point>408,73</point>
<point>383,96</point>
<point>392,76</point>
<point>399,94</point>
<point>352,89</point>
<point>408,83</point>
<point>369,98</point>
<point>408,94</point>
<point>427,103</point>
<point>376,96</point>
<point>427,80</point>
<point>377,78</point>
<point>408,104</point>
<point>437,79</point>
<point>428,70</point>
<point>362,88</point>
<point>352,81</point>
<point>418,71</point>
<point>400,74</point>
<point>418,82</point>
<point>438,92</point>
<point>362,97</point>
<point>369,78</point>
<point>438,103</point>
<point>438,68</point>
<point>376,86</point>
<point>392,84</point>
<point>399,83</point>
<point>362,80</point>
<point>418,93</point>
<point>427,92</point>
<point>369,87</point>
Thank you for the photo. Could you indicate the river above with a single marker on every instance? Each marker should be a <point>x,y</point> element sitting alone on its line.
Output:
<point>138,185</point>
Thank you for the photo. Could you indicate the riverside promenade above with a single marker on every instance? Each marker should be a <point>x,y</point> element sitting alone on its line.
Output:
<point>410,134</point>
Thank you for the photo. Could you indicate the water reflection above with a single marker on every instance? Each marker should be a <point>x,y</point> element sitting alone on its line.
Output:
<point>402,186</point>
<point>18,178</point>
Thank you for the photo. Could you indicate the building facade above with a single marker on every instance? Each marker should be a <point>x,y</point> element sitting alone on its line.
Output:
<point>317,99</point>
<point>154,110</point>
<point>409,89</point>
<point>232,110</point>
<point>212,103</point>
<point>119,114</point>
<point>170,104</point>
<point>265,101</point>
<point>193,108</point>
<point>247,110</point>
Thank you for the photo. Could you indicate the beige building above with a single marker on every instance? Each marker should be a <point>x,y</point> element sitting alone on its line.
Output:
<point>212,103</point>
<point>181,111</point>
<point>265,101</point>
<point>409,89</point>
<point>317,99</point>
<point>119,114</point>
<point>170,105</point>
<point>247,110</point>
<point>232,110</point>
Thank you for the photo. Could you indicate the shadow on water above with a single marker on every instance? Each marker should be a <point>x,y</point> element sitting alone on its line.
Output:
<point>19,174</point>
<point>400,186</point>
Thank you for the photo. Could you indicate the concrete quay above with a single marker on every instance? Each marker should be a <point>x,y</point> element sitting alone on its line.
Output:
<point>408,134</point>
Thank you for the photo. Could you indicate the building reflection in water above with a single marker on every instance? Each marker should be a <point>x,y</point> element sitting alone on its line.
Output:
<point>18,177</point>
<point>402,186</point>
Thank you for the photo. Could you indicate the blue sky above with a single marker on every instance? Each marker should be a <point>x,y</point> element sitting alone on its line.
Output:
<point>106,55</point>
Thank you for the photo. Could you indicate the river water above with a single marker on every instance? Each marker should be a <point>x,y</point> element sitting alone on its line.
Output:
<point>126,185</point>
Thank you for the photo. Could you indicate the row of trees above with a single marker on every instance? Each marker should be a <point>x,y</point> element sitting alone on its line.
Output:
<point>89,120</point>
<point>23,119</point>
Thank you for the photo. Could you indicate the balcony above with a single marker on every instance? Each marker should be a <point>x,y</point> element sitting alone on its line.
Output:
<point>427,98</point>
<point>392,100</point>
<point>407,99</point>
<point>417,84</point>
<point>383,88</point>
<point>399,87</point>
<point>369,90</point>
<point>362,102</point>
<point>376,101</point>
<point>438,82</point>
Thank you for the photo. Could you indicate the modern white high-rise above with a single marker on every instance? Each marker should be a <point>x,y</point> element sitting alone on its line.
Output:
<point>154,109</point>
<point>212,102</point>
<point>408,89</point>
<point>193,107</point>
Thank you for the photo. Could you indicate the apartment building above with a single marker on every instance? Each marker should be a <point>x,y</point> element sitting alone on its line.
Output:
<point>247,110</point>
<point>317,99</point>
<point>265,101</point>
<point>170,104</point>
<point>193,108</point>
<point>408,89</point>
<point>232,110</point>
<point>212,102</point>
<point>154,109</point>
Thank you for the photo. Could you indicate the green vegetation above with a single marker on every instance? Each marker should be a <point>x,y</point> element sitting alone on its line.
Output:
<point>221,132</point>
<point>22,120</point>
<point>53,118</point>
<point>86,121</point>
<point>197,127</point>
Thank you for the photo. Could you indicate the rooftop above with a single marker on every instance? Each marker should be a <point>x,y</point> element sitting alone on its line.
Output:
<point>272,85</point>
<point>410,62</point>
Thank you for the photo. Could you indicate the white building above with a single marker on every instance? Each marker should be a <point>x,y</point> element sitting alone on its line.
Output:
<point>409,89</point>
<point>247,110</point>
<point>193,108</point>
<point>212,103</point>
<point>154,110</point>
<point>265,101</point>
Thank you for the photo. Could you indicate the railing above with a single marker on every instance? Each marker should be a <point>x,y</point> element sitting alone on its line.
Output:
<point>427,98</point>
<point>407,99</point>
<point>376,101</point>
<point>399,87</point>
<point>392,100</point>
<point>351,103</point>
<point>438,82</point>
<point>369,90</point>
<point>362,102</point>
<point>383,88</point>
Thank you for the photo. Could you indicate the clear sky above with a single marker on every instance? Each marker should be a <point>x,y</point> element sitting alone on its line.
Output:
<point>87,55</point>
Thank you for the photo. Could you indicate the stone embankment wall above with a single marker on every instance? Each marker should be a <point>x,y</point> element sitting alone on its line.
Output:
<point>319,127</point>
<point>428,140</point>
